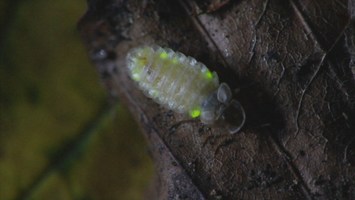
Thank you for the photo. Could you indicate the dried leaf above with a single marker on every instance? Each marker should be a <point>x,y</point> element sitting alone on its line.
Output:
<point>290,63</point>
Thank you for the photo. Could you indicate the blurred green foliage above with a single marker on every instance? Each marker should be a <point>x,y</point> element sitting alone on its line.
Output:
<point>49,95</point>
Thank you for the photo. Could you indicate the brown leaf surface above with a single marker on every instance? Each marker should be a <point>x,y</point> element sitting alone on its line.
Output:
<point>290,62</point>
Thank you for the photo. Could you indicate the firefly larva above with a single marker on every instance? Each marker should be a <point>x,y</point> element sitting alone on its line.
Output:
<point>185,85</point>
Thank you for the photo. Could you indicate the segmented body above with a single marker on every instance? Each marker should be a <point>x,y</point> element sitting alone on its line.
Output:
<point>172,79</point>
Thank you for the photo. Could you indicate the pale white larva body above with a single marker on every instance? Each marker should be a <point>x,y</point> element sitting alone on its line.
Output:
<point>172,79</point>
<point>180,83</point>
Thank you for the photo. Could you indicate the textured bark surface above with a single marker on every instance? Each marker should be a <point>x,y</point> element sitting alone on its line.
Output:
<point>291,63</point>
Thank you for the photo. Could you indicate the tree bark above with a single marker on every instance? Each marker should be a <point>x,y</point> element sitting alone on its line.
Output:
<point>290,63</point>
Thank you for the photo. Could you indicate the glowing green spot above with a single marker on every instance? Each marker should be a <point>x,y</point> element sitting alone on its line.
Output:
<point>195,112</point>
<point>163,55</point>
<point>208,74</point>
<point>175,60</point>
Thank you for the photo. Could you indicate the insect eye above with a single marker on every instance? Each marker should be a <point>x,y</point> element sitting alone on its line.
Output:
<point>224,94</point>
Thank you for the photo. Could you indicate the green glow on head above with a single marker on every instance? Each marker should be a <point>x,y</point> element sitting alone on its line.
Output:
<point>208,74</point>
<point>163,55</point>
<point>195,112</point>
